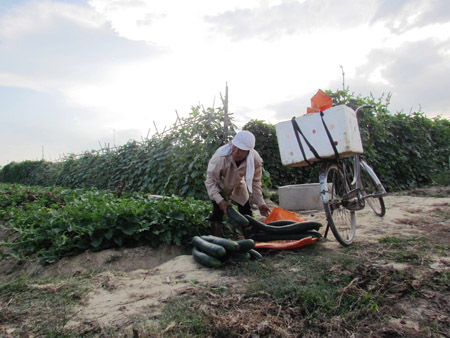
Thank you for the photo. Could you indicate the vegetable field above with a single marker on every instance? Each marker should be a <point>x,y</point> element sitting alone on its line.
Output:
<point>49,223</point>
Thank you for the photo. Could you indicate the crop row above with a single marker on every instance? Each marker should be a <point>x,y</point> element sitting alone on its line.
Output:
<point>49,223</point>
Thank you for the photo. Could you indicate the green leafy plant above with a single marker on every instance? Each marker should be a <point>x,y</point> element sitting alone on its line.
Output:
<point>52,223</point>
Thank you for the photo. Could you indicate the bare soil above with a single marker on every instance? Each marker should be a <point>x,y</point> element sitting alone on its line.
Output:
<point>130,282</point>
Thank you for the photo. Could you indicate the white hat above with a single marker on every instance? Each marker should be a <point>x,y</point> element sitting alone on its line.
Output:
<point>244,140</point>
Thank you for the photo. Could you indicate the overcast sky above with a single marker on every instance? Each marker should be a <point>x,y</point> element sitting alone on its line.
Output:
<point>75,74</point>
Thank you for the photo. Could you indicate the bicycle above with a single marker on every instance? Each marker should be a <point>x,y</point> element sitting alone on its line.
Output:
<point>345,186</point>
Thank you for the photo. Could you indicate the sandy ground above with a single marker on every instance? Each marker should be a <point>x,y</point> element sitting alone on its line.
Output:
<point>118,298</point>
<point>134,282</point>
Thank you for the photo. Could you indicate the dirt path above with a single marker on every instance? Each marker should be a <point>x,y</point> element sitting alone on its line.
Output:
<point>118,298</point>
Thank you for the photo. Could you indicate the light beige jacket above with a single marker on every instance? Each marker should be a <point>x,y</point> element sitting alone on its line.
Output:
<point>223,176</point>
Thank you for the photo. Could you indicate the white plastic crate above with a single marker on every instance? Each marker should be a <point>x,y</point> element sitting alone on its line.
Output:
<point>342,125</point>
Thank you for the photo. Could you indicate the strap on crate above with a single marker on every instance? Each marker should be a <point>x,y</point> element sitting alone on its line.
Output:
<point>333,145</point>
<point>297,131</point>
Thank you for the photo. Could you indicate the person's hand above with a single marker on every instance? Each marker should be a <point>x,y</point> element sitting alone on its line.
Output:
<point>223,206</point>
<point>264,210</point>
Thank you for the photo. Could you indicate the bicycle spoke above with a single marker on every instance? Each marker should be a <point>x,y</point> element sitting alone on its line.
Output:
<point>342,221</point>
<point>370,192</point>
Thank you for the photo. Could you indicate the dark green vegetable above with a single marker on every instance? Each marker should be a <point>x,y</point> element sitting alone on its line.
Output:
<point>240,255</point>
<point>236,216</point>
<point>205,259</point>
<point>246,245</point>
<point>228,244</point>
<point>208,247</point>
<point>281,222</point>
<point>284,229</point>
<point>254,255</point>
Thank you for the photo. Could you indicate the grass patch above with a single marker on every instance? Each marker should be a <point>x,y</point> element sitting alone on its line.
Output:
<point>302,279</point>
<point>412,250</point>
<point>39,307</point>
<point>313,291</point>
<point>181,316</point>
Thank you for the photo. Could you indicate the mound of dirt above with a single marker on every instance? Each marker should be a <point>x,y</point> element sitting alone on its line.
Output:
<point>120,259</point>
<point>118,297</point>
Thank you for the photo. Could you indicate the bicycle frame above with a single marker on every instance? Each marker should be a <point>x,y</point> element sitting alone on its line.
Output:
<point>356,185</point>
<point>381,191</point>
<point>343,192</point>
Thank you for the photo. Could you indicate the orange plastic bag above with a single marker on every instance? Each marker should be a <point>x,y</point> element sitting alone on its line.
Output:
<point>280,214</point>
<point>319,102</point>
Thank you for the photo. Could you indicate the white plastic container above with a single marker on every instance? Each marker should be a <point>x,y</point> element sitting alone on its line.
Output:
<point>342,124</point>
<point>300,197</point>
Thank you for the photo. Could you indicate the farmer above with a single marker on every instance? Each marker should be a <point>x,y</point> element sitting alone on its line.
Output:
<point>234,170</point>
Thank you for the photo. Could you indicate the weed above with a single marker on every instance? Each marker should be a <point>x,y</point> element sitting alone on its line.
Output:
<point>183,313</point>
<point>412,250</point>
<point>39,308</point>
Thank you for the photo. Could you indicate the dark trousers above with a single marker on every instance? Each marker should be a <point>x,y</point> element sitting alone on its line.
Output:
<point>217,214</point>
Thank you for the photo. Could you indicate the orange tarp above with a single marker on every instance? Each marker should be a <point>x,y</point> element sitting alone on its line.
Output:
<point>285,244</point>
<point>280,214</point>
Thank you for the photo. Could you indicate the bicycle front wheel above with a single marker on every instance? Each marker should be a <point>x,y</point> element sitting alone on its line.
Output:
<point>341,220</point>
<point>369,187</point>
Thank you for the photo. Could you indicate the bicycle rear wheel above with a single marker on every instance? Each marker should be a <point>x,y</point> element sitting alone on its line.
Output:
<point>369,187</point>
<point>341,220</point>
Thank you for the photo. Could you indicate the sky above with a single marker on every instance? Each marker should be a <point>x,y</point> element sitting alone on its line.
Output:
<point>77,75</point>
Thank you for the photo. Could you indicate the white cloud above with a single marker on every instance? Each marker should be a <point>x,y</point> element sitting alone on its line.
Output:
<point>49,45</point>
<point>168,23</point>
<point>8,79</point>
<point>41,15</point>
<point>403,15</point>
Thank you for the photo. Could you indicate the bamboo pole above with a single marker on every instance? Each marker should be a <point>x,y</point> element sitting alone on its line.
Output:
<point>225,110</point>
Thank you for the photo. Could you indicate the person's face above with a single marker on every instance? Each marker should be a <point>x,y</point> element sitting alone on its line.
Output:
<point>238,154</point>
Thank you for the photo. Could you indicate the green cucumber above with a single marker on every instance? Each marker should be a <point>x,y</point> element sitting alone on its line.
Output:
<point>284,229</point>
<point>246,244</point>
<point>209,248</point>
<point>205,259</point>
<point>254,255</point>
<point>236,216</point>
<point>228,244</point>
<point>281,222</point>
<point>267,237</point>
<point>240,255</point>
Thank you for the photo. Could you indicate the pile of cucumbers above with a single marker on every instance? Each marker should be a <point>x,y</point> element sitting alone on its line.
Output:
<point>281,230</point>
<point>212,251</point>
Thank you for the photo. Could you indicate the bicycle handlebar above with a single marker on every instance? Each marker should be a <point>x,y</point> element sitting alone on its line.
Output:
<point>363,107</point>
